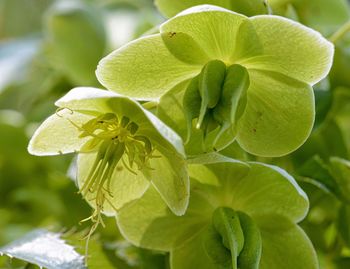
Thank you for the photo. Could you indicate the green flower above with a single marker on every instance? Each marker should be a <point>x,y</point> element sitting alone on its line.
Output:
<point>239,214</point>
<point>122,150</point>
<point>271,63</point>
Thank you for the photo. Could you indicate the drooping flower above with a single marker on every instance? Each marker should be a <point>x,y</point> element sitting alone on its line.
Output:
<point>241,215</point>
<point>122,150</point>
<point>269,62</point>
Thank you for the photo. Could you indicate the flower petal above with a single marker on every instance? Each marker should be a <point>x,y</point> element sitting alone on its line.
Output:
<point>278,117</point>
<point>287,247</point>
<point>249,8</point>
<point>143,69</point>
<point>291,49</point>
<point>192,254</point>
<point>214,29</point>
<point>168,174</point>
<point>148,222</point>
<point>96,101</point>
<point>57,135</point>
<point>269,190</point>
<point>125,186</point>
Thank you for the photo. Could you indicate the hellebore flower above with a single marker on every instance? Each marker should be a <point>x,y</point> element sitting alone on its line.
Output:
<point>254,78</point>
<point>240,216</point>
<point>122,150</point>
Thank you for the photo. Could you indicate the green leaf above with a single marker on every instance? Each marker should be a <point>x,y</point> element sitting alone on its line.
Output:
<point>278,117</point>
<point>45,249</point>
<point>153,75</point>
<point>70,26</point>
<point>291,49</point>
<point>340,170</point>
<point>343,223</point>
<point>253,7</point>
<point>323,15</point>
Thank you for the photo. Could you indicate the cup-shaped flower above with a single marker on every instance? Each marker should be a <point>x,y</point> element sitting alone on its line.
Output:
<point>122,150</point>
<point>239,214</point>
<point>275,60</point>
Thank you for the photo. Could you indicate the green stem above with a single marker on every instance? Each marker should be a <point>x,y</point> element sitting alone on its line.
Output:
<point>342,31</point>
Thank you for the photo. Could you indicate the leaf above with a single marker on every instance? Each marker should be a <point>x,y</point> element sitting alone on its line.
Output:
<point>70,26</point>
<point>278,117</point>
<point>45,249</point>
<point>340,170</point>
<point>343,223</point>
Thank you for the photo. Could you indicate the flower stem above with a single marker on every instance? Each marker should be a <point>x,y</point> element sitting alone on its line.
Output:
<point>342,31</point>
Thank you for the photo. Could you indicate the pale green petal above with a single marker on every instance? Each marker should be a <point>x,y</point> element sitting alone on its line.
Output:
<point>287,247</point>
<point>192,254</point>
<point>268,190</point>
<point>143,69</point>
<point>170,7</point>
<point>149,223</point>
<point>57,134</point>
<point>249,8</point>
<point>279,115</point>
<point>86,99</point>
<point>125,186</point>
<point>96,101</point>
<point>291,49</point>
<point>168,174</point>
<point>214,29</point>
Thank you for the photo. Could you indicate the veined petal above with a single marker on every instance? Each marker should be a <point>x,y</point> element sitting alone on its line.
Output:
<point>269,190</point>
<point>147,222</point>
<point>168,174</point>
<point>291,49</point>
<point>57,135</point>
<point>192,254</point>
<point>249,8</point>
<point>143,69</point>
<point>286,247</point>
<point>279,114</point>
<point>215,29</point>
<point>124,185</point>
<point>171,8</point>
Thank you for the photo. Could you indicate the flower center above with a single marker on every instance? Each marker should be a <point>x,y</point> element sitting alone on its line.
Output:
<point>116,141</point>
